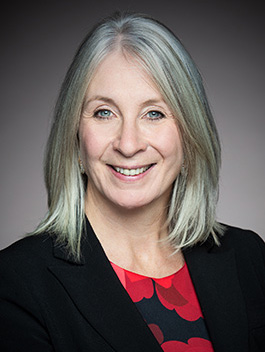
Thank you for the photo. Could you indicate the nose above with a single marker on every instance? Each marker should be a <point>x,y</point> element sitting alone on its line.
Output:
<point>130,139</point>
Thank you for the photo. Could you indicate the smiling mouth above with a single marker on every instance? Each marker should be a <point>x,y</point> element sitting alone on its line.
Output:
<point>131,172</point>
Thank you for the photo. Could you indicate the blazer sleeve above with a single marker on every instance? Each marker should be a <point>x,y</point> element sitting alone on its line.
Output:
<point>21,325</point>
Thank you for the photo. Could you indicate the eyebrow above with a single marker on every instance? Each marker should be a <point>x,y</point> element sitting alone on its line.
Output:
<point>99,97</point>
<point>111,101</point>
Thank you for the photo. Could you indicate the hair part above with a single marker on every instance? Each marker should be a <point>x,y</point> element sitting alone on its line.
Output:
<point>192,208</point>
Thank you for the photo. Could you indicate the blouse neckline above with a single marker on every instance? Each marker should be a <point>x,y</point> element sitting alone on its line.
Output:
<point>132,273</point>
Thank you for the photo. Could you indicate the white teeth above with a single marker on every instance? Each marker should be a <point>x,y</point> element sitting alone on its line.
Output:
<point>131,172</point>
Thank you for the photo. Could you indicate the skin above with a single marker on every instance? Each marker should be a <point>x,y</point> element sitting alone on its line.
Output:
<point>126,125</point>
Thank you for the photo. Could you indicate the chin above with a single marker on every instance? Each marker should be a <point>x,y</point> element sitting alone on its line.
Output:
<point>129,203</point>
<point>133,204</point>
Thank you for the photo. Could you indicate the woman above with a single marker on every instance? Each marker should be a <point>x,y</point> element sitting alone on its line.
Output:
<point>130,256</point>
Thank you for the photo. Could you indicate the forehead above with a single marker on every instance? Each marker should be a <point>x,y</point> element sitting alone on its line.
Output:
<point>119,73</point>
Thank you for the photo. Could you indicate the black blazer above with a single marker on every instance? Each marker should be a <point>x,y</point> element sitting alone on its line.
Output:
<point>50,303</point>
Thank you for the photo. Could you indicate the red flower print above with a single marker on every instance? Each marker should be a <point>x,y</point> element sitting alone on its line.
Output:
<point>177,292</point>
<point>138,287</point>
<point>195,344</point>
<point>157,332</point>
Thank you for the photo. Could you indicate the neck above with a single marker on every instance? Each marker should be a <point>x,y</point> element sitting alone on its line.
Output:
<point>130,224</point>
<point>131,238</point>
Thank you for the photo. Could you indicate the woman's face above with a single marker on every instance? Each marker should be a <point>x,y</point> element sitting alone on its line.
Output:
<point>129,141</point>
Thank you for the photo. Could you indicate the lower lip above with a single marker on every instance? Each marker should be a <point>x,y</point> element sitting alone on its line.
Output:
<point>130,178</point>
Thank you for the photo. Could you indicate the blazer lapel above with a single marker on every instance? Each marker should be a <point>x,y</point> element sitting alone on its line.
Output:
<point>101,298</point>
<point>214,276</point>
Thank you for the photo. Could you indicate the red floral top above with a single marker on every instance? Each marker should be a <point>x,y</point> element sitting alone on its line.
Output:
<point>170,308</point>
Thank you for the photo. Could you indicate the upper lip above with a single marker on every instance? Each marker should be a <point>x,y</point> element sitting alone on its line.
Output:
<point>131,167</point>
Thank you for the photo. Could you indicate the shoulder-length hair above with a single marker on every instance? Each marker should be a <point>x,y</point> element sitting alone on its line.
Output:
<point>192,209</point>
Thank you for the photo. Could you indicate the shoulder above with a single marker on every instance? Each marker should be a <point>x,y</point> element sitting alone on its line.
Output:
<point>241,238</point>
<point>248,247</point>
<point>24,286</point>
<point>27,252</point>
<point>24,270</point>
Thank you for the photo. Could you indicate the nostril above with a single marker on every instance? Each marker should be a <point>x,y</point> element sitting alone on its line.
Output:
<point>129,146</point>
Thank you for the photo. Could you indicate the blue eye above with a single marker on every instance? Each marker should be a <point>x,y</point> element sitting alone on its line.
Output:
<point>104,113</point>
<point>155,115</point>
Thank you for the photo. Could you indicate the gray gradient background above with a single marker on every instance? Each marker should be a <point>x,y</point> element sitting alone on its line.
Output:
<point>39,39</point>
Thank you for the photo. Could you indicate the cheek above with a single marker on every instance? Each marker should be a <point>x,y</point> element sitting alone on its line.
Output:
<point>169,144</point>
<point>91,144</point>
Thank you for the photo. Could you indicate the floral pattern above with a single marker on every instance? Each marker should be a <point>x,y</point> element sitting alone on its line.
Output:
<point>170,308</point>
<point>194,345</point>
<point>179,295</point>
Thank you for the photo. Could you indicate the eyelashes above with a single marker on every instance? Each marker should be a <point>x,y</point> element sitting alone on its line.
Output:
<point>106,114</point>
<point>155,115</point>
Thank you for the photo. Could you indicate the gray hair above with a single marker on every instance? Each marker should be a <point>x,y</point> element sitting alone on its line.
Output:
<point>192,208</point>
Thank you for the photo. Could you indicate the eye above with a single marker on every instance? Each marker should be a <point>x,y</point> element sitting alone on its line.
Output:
<point>103,114</point>
<point>155,115</point>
